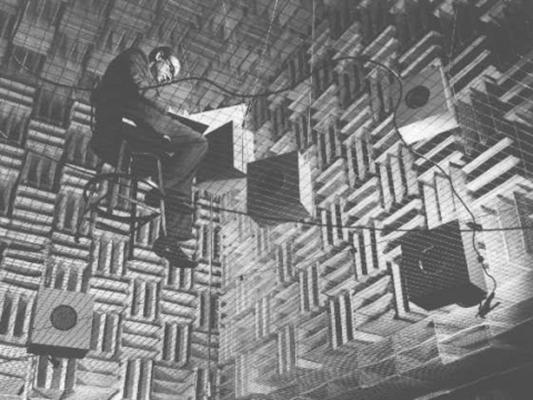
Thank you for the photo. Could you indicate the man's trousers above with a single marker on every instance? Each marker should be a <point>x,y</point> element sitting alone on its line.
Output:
<point>181,158</point>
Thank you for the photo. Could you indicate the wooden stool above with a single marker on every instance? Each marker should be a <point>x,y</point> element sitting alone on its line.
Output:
<point>128,169</point>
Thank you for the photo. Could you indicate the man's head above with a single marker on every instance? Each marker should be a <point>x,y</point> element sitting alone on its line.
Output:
<point>163,65</point>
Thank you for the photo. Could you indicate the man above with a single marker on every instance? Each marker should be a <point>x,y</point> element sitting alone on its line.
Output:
<point>125,91</point>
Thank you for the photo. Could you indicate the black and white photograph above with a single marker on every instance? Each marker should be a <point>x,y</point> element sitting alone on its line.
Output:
<point>266,199</point>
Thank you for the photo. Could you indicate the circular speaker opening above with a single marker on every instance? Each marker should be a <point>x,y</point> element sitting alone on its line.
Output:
<point>64,317</point>
<point>417,97</point>
<point>431,261</point>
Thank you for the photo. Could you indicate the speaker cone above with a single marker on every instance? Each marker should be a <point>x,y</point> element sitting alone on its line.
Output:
<point>64,317</point>
<point>417,97</point>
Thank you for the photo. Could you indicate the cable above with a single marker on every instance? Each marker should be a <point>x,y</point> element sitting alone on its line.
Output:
<point>311,69</point>
<point>349,227</point>
<point>364,227</point>
<point>474,224</point>
<point>260,61</point>
<point>304,221</point>
<point>213,83</point>
<point>15,359</point>
<point>78,89</point>
<point>397,130</point>
<point>210,299</point>
<point>473,235</point>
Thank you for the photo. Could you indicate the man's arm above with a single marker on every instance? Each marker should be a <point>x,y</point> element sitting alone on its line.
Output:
<point>139,72</point>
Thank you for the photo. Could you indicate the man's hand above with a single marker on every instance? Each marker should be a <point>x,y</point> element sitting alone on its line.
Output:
<point>172,110</point>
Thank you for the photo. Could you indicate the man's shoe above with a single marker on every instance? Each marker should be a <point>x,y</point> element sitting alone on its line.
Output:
<point>153,197</point>
<point>164,247</point>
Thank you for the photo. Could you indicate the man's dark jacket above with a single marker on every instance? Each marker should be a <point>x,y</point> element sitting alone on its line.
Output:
<point>123,92</point>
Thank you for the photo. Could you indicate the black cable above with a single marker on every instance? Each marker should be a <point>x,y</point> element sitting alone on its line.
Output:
<point>14,359</point>
<point>207,80</point>
<point>298,221</point>
<point>362,227</point>
<point>474,223</point>
<point>395,125</point>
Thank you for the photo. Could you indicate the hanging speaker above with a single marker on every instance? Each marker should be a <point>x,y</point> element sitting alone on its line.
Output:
<point>223,162</point>
<point>425,108</point>
<point>230,149</point>
<point>61,324</point>
<point>279,188</point>
<point>440,267</point>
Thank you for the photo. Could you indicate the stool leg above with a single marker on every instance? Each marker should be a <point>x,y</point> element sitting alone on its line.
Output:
<point>122,166</point>
<point>87,208</point>
<point>79,224</point>
<point>162,205</point>
<point>133,225</point>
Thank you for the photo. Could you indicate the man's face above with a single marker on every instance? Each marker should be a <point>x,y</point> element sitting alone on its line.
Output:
<point>162,70</point>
